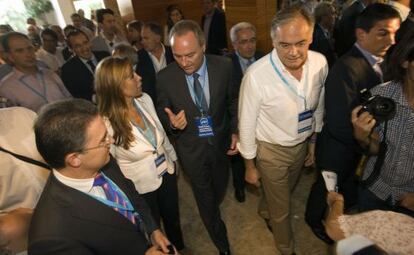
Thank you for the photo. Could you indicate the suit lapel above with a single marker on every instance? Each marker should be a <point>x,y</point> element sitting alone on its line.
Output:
<point>213,82</point>
<point>183,90</point>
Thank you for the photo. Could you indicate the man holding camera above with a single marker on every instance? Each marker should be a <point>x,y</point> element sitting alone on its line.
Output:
<point>358,69</point>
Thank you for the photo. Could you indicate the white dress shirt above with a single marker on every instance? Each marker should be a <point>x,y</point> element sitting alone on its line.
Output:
<point>53,61</point>
<point>269,110</point>
<point>158,64</point>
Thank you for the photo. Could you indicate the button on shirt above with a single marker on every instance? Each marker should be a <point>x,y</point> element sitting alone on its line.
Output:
<point>397,173</point>
<point>269,110</point>
<point>203,72</point>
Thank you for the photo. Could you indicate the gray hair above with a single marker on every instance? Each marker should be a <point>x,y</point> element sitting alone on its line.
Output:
<point>183,27</point>
<point>287,14</point>
<point>321,10</point>
<point>123,50</point>
<point>238,27</point>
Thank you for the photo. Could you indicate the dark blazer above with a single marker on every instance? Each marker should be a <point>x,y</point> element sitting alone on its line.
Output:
<point>237,70</point>
<point>68,221</point>
<point>323,45</point>
<point>77,77</point>
<point>345,30</point>
<point>173,93</point>
<point>217,35</point>
<point>145,69</point>
<point>336,148</point>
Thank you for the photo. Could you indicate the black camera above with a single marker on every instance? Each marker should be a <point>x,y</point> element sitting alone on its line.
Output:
<point>382,108</point>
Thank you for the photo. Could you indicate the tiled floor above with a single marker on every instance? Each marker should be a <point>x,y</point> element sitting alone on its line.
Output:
<point>247,232</point>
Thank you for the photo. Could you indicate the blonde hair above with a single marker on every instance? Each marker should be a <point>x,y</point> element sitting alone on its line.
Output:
<point>110,76</point>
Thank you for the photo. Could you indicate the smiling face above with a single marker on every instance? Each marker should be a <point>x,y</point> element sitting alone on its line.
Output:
<point>291,41</point>
<point>81,46</point>
<point>380,37</point>
<point>187,51</point>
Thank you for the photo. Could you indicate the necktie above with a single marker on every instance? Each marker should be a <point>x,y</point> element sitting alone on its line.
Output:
<point>377,68</point>
<point>199,94</point>
<point>249,62</point>
<point>111,44</point>
<point>91,65</point>
<point>113,196</point>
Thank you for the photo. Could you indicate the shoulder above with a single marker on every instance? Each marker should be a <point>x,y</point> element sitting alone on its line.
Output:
<point>218,60</point>
<point>172,70</point>
<point>387,88</point>
<point>72,61</point>
<point>24,115</point>
<point>317,58</point>
<point>145,99</point>
<point>100,54</point>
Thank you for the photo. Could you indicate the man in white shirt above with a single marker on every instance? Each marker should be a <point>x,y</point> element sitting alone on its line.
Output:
<point>281,108</point>
<point>49,53</point>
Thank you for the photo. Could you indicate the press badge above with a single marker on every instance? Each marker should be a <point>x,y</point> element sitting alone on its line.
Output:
<point>205,126</point>
<point>305,121</point>
<point>161,165</point>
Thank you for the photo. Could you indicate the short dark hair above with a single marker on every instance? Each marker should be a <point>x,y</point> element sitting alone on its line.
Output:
<point>135,24</point>
<point>100,14</point>
<point>73,33</point>
<point>50,32</point>
<point>73,15</point>
<point>374,13</point>
<point>403,51</point>
<point>154,27</point>
<point>60,129</point>
<point>68,29</point>
<point>8,36</point>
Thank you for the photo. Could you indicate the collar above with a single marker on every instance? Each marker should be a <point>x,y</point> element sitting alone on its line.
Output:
<point>20,74</point>
<point>84,185</point>
<point>280,65</point>
<point>372,59</point>
<point>84,60</point>
<point>245,60</point>
<point>202,70</point>
<point>108,41</point>
<point>163,51</point>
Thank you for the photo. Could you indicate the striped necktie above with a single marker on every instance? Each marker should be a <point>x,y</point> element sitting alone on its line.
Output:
<point>113,196</point>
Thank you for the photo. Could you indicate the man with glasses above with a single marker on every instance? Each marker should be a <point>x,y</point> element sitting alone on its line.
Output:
<point>243,38</point>
<point>87,205</point>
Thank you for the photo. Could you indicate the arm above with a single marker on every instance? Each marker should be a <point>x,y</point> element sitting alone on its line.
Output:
<point>336,209</point>
<point>57,246</point>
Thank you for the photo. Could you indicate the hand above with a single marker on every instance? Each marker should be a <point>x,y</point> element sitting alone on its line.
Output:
<point>332,197</point>
<point>178,121</point>
<point>310,158</point>
<point>233,146</point>
<point>154,251</point>
<point>160,241</point>
<point>252,175</point>
<point>407,201</point>
<point>363,125</point>
<point>14,229</point>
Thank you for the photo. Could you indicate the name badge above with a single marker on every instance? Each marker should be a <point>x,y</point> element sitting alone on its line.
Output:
<point>161,165</point>
<point>205,126</point>
<point>305,121</point>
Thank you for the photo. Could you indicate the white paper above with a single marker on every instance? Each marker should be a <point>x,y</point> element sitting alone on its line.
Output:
<point>330,180</point>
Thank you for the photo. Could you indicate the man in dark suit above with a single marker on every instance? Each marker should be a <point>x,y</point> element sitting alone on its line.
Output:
<point>197,106</point>
<point>345,30</point>
<point>152,58</point>
<point>77,72</point>
<point>243,38</point>
<point>322,33</point>
<point>213,24</point>
<point>87,205</point>
<point>336,149</point>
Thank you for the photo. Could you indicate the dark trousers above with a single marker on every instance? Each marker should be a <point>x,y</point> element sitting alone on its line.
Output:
<point>209,187</point>
<point>316,205</point>
<point>368,201</point>
<point>164,206</point>
<point>238,171</point>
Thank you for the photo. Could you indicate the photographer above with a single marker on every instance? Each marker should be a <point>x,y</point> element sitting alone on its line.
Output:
<point>388,178</point>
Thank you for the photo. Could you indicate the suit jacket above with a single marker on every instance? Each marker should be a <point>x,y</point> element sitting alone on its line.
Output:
<point>77,77</point>
<point>173,93</point>
<point>237,69</point>
<point>217,35</point>
<point>345,32</point>
<point>145,69</point>
<point>68,221</point>
<point>336,148</point>
<point>322,44</point>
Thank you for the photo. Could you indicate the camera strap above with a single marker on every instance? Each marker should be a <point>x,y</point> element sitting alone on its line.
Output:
<point>379,162</point>
<point>26,159</point>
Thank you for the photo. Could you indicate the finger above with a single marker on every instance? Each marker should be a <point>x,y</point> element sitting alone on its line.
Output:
<point>181,114</point>
<point>354,114</point>
<point>169,112</point>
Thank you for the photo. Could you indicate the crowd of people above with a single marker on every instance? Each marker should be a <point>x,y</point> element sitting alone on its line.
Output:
<point>99,119</point>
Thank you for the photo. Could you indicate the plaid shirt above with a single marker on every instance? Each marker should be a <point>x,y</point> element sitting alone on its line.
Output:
<point>397,172</point>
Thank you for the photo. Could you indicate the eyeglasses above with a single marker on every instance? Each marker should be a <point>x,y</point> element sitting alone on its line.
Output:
<point>104,143</point>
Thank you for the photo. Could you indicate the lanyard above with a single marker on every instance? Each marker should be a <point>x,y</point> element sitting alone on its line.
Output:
<point>42,79</point>
<point>107,202</point>
<point>285,82</point>
<point>148,134</point>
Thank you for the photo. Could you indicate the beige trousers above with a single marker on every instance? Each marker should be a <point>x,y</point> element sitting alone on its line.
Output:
<point>280,168</point>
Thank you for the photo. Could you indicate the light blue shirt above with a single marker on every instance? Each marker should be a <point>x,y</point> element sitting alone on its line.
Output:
<point>373,60</point>
<point>203,79</point>
<point>244,62</point>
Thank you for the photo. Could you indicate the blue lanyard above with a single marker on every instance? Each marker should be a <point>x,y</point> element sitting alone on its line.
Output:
<point>42,79</point>
<point>107,202</point>
<point>303,97</point>
<point>149,134</point>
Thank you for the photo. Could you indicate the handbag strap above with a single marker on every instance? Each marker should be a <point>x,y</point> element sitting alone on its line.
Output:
<point>26,159</point>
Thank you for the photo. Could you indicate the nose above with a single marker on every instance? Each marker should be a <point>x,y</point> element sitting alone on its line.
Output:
<point>392,38</point>
<point>184,61</point>
<point>293,50</point>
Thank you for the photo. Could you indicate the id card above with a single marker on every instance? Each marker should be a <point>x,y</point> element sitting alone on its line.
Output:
<point>205,126</point>
<point>305,121</point>
<point>161,165</point>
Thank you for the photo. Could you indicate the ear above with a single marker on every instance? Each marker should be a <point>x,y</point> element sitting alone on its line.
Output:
<point>360,34</point>
<point>405,64</point>
<point>73,160</point>
<point>204,48</point>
